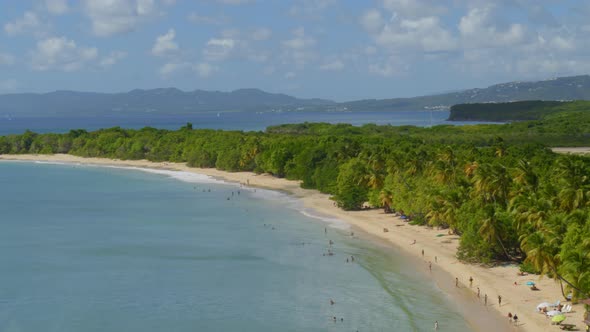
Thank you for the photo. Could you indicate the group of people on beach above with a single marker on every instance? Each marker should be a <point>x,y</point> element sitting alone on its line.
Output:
<point>513,318</point>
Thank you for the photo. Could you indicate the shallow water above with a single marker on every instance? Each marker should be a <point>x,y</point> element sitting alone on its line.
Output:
<point>106,249</point>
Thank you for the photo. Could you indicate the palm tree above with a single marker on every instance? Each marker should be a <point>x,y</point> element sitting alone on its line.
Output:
<point>573,182</point>
<point>385,197</point>
<point>542,248</point>
<point>525,176</point>
<point>530,211</point>
<point>576,269</point>
<point>491,231</point>
<point>443,168</point>
<point>492,182</point>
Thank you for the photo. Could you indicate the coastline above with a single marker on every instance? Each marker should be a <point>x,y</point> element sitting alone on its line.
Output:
<point>492,281</point>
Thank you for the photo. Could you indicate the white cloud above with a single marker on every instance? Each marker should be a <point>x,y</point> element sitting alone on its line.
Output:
<point>60,53</point>
<point>370,50</point>
<point>259,34</point>
<point>392,65</point>
<point>385,69</point>
<point>269,70</point>
<point>536,65</point>
<point>415,8</point>
<point>219,49</point>
<point>8,85</point>
<point>310,9</point>
<point>372,20</point>
<point>110,17</point>
<point>299,49</point>
<point>170,68</point>
<point>479,29</point>
<point>234,2</point>
<point>335,65</point>
<point>425,33</point>
<point>300,41</point>
<point>165,44</point>
<point>202,69</point>
<point>6,59</point>
<point>29,23</point>
<point>112,58</point>
<point>201,19</point>
<point>57,7</point>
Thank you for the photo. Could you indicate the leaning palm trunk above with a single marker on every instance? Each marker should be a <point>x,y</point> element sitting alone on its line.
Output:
<point>561,280</point>
<point>504,248</point>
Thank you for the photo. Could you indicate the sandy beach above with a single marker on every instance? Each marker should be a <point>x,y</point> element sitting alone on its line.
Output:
<point>576,150</point>
<point>493,281</point>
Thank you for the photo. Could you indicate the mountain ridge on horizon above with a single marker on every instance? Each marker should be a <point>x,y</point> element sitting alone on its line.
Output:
<point>171,100</point>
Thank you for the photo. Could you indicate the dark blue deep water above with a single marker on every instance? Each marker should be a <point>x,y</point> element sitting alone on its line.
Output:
<point>227,120</point>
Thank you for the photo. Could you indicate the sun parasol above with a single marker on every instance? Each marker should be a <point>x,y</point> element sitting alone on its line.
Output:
<point>558,318</point>
<point>530,283</point>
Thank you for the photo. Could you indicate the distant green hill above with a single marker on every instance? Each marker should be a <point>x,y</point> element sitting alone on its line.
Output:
<point>173,101</point>
<point>563,88</point>
<point>514,111</point>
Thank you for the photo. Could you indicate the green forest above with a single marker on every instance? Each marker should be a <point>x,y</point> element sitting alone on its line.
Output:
<point>499,187</point>
<point>513,111</point>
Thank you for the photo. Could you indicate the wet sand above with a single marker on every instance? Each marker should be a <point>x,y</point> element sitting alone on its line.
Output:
<point>493,281</point>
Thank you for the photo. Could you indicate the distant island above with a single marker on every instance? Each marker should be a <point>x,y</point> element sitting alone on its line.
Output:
<point>172,101</point>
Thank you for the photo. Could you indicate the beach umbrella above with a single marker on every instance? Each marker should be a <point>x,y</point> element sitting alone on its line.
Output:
<point>558,318</point>
<point>530,283</point>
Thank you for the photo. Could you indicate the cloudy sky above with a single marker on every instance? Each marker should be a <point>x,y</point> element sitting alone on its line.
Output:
<point>338,49</point>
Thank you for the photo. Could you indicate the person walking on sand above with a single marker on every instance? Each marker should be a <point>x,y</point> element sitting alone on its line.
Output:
<point>515,319</point>
<point>422,252</point>
<point>499,300</point>
<point>485,299</point>
<point>510,317</point>
<point>456,282</point>
<point>436,325</point>
<point>435,259</point>
<point>430,266</point>
<point>470,281</point>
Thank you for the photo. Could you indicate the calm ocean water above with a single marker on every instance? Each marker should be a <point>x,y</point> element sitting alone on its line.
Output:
<point>104,249</point>
<point>229,121</point>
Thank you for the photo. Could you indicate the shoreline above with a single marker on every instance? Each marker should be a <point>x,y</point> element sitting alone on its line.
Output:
<point>492,281</point>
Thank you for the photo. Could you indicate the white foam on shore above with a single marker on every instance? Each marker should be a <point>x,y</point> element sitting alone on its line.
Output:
<point>331,221</point>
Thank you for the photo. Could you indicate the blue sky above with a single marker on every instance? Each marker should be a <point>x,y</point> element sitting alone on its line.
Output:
<point>337,49</point>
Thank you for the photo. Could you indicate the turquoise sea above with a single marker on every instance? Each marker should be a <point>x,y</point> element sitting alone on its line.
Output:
<point>86,248</point>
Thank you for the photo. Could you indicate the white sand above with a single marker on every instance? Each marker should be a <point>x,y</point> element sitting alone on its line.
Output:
<point>492,281</point>
<point>576,150</point>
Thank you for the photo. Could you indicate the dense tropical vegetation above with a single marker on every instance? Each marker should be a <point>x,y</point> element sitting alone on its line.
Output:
<point>498,186</point>
<point>514,111</point>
